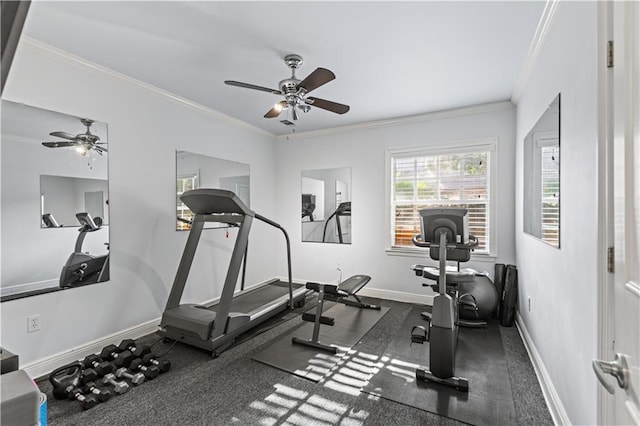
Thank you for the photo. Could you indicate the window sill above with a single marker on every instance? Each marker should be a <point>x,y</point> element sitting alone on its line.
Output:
<point>418,252</point>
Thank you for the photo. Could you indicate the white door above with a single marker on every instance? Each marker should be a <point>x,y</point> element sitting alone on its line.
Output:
<point>619,367</point>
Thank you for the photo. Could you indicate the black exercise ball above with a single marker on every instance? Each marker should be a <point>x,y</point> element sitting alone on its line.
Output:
<point>483,292</point>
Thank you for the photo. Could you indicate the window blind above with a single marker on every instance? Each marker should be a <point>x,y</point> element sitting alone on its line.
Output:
<point>448,180</point>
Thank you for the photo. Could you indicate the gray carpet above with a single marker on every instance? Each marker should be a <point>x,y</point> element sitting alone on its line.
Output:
<point>234,389</point>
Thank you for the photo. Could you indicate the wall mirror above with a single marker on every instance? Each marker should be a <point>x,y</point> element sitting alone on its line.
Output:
<point>43,188</point>
<point>541,210</point>
<point>201,171</point>
<point>326,205</point>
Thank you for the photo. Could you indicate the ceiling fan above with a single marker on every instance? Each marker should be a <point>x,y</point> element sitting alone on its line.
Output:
<point>295,91</point>
<point>83,142</point>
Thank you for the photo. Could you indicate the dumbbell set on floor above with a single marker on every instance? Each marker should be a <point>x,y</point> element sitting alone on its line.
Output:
<point>99,377</point>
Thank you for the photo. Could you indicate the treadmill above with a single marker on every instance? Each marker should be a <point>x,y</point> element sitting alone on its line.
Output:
<point>214,327</point>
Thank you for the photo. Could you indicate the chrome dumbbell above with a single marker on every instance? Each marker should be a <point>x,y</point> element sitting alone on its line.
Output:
<point>135,379</point>
<point>119,387</point>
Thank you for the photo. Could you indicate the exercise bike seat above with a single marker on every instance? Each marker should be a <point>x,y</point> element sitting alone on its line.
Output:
<point>453,275</point>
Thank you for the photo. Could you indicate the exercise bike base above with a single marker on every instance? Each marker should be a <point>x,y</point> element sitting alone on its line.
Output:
<point>459,383</point>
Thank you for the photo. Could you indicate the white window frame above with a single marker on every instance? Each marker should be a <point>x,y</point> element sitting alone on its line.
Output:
<point>195,175</point>
<point>489,145</point>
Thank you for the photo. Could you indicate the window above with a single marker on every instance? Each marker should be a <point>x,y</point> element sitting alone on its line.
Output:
<point>455,176</point>
<point>184,183</point>
<point>550,208</point>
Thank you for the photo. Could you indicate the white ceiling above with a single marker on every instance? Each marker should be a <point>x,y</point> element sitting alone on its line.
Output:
<point>391,59</point>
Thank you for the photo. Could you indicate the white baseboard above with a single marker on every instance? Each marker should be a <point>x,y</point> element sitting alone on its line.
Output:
<point>551,397</point>
<point>397,296</point>
<point>44,366</point>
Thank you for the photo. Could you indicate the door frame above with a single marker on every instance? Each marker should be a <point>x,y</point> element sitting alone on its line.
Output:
<point>606,237</point>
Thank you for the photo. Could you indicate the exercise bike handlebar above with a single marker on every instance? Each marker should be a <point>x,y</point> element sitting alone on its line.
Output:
<point>286,236</point>
<point>473,243</point>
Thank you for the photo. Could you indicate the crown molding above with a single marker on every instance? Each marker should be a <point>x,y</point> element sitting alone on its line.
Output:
<point>398,121</point>
<point>548,15</point>
<point>109,73</point>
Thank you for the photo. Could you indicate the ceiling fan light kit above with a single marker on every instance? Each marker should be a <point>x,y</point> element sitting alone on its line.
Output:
<point>295,90</point>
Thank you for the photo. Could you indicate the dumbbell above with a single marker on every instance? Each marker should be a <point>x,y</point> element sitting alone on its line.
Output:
<point>88,375</point>
<point>87,401</point>
<point>163,364</point>
<point>150,372</point>
<point>101,367</point>
<point>137,350</point>
<point>119,359</point>
<point>102,394</point>
<point>119,387</point>
<point>135,379</point>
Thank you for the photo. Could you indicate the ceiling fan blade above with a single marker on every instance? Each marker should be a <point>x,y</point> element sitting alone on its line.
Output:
<point>252,86</point>
<point>276,110</point>
<point>63,135</point>
<point>328,105</point>
<point>316,79</point>
<point>100,150</point>
<point>59,144</point>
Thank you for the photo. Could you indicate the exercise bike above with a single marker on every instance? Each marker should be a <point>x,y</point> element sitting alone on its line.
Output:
<point>83,268</point>
<point>445,233</point>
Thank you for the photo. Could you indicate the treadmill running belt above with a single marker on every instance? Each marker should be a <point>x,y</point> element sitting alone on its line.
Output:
<point>259,297</point>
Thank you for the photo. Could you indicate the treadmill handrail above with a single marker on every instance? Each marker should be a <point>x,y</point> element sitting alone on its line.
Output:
<point>286,236</point>
<point>344,209</point>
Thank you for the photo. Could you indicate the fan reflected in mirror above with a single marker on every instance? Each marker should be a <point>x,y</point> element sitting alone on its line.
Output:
<point>84,143</point>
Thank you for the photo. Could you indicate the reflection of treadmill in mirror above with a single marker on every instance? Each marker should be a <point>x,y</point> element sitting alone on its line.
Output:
<point>50,221</point>
<point>308,206</point>
<point>214,327</point>
<point>343,210</point>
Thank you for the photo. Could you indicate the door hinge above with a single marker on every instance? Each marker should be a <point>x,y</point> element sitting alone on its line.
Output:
<point>610,54</point>
<point>611,256</point>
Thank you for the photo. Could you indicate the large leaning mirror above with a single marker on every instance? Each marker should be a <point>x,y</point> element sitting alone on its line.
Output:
<point>201,171</point>
<point>541,210</point>
<point>54,201</point>
<point>326,205</point>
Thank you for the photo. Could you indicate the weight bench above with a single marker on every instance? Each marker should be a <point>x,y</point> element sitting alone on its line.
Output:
<point>339,293</point>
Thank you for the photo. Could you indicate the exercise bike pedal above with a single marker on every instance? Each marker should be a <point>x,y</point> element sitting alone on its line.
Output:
<point>419,334</point>
<point>426,316</point>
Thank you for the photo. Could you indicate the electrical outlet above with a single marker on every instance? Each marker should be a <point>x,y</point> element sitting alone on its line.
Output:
<point>33,323</point>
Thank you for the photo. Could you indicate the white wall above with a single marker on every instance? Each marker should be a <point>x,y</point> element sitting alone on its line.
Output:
<point>363,148</point>
<point>562,283</point>
<point>145,129</point>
